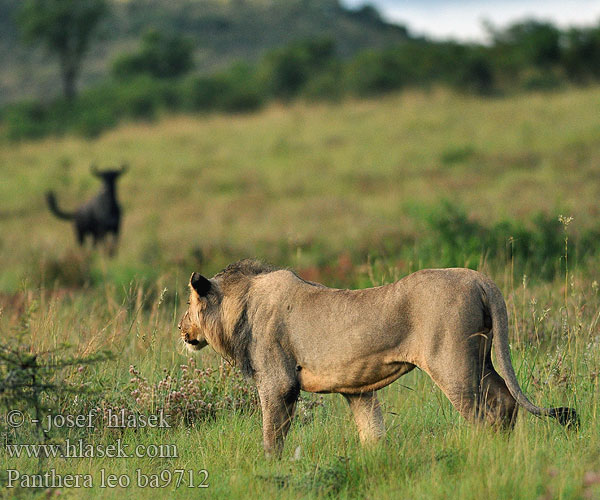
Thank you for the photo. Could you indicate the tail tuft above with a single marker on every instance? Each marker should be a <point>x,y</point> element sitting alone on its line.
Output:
<point>565,416</point>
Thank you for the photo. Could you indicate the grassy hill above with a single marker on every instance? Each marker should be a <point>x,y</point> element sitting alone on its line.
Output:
<point>311,182</point>
<point>222,31</point>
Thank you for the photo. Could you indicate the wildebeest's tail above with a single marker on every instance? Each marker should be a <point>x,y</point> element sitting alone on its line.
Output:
<point>496,307</point>
<point>53,205</point>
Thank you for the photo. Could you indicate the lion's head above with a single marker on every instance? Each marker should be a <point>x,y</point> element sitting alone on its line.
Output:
<point>217,312</point>
<point>203,301</point>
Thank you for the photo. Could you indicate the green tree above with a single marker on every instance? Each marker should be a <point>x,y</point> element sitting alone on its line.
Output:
<point>531,43</point>
<point>287,70</point>
<point>66,28</point>
<point>475,73</point>
<point>160,56</point>
<point>581,53</point>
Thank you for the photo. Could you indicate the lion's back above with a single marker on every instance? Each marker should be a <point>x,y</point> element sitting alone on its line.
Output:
<point>451,296</point>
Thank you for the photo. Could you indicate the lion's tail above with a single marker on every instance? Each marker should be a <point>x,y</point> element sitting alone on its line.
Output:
<point>53,205</point>
<point>497,309</point>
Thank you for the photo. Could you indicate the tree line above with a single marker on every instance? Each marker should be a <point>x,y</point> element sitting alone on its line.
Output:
<point>159,75</point>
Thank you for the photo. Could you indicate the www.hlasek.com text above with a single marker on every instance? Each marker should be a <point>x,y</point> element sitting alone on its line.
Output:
<point>80,449</point>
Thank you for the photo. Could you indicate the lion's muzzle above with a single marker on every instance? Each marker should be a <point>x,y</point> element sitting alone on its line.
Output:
<point>190,341</point>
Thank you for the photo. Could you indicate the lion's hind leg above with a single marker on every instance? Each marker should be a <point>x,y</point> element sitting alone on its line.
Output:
<point>367,416</point>
<point>457,369</point>
<point>497,404</point>
<point>468,379</point>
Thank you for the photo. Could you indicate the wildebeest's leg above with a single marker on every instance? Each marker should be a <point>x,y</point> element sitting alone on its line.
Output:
<point>98,237</point>
<point>80,235</point>
<point>112,244</point>
<point>367,416</point>
<point>278,407</point>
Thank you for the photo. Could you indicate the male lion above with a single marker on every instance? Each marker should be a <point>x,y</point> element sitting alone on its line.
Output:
<point>289,334</point>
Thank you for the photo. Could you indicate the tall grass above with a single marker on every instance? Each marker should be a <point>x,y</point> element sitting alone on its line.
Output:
<point>305,185</point>
<point>351,196</point>
<point>429,451</point>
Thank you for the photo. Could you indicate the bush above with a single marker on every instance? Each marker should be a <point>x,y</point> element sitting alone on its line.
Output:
<point>453,239</point>
<point>94,120</point>
<point>581,53</point>
<point>326,85</point>
<point>96,109</point>
<point>37,382</point>
<point>457,154</point>
<point>235,90</point>
<point>240,90</point>
<point>160,56</point>
<point>140,98</point>
<point>201,93</point>
<point>457,240</point>
<point>475,74</point>
<point>540,80</point>
<point>193,394</point>
<point>286,71</point>
<point>26,120</point>
<point>531,43</point>
<point>374,72</point>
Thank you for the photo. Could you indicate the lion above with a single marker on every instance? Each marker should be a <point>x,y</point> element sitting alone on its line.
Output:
<point>288,335</point>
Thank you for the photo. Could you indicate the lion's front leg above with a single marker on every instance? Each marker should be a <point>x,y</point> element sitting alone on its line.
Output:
<point>367,416</point>
<point>278,408</point>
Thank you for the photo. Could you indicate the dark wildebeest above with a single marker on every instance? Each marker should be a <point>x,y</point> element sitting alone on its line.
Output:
<point>99,216</point>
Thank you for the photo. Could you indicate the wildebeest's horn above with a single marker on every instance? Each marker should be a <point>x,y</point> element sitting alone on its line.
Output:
<point>124,167</point>
<point>94,169</point>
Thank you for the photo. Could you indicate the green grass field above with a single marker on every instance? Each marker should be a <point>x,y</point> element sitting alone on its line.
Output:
<point>342,193</point>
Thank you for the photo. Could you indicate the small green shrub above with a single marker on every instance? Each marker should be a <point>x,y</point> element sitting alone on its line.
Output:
<point>540,80</point>
<point>286,71</point>
<point>160,56</point>
<point>374,72</point>
<point>236,90</point>
<point>26,120</point>
<point>451,238</point>
<point>457,154</point>
<point>325,86</point>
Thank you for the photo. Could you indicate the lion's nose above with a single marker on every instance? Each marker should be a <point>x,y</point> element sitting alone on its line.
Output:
<point>186,337</point>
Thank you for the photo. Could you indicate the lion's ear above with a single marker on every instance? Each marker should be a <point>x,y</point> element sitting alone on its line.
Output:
<point>200,284</point>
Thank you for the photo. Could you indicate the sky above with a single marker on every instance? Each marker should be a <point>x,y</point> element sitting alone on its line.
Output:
<point>464,20</point>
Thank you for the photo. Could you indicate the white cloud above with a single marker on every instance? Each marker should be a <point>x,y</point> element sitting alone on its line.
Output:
<point>464,20</point>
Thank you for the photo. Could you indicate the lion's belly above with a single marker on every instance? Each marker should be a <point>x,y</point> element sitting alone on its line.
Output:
<point>362,376</point>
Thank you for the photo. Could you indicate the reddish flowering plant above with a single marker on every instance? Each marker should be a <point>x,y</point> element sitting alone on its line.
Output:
<point>192,394</point>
